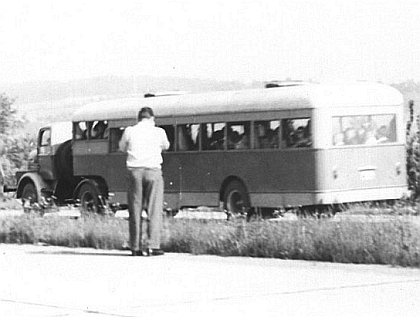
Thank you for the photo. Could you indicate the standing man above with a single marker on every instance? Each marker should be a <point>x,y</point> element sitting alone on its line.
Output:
<point>143,144</point>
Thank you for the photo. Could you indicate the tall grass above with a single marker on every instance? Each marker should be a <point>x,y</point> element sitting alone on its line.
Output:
<point>393,242</point>
<point>94,232</point>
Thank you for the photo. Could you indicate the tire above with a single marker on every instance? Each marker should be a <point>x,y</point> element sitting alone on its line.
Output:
<point>29,192</point>
<point>236,198</point>
<point>63,161</point>
<point>89,199</point>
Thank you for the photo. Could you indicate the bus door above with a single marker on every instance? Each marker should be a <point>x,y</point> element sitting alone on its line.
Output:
<point>45,153</point>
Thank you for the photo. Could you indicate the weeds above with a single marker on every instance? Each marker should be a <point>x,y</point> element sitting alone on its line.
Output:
<point>393,241</point>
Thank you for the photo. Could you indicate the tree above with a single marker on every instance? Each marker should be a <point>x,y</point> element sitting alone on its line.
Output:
<point>2,175</point>
<point>413,152</point>
<point>14,145</point>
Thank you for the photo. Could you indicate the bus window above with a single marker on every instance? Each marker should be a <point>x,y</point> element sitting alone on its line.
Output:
<point>115,135</point>
<point>45,142</point>
<point>80,131</point>
<point>368,130</point>
<point>213,136</point>
<point>99,130</point>
<point>266,134</point>
<point>170,133</point>
<point>297,132</point>
<point>238,135</point>
<point>188,137</point>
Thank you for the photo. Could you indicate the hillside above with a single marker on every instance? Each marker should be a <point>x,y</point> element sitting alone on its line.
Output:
<point>43,102</point>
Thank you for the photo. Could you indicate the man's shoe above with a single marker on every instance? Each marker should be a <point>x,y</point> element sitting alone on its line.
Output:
<point>139,253</point>
<point>153,252</point>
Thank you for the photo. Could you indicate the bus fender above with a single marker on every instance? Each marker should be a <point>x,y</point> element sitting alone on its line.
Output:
<point>226,182</point>
<point>80,184</point>
<point>36,179</point>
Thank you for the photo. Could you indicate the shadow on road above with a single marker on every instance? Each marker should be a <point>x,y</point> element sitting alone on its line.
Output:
<point>104,253</point>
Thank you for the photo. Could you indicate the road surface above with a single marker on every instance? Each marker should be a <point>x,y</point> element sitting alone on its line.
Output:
<point>56,281</point>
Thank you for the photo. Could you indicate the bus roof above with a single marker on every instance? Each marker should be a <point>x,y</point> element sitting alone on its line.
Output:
<point>306,96</point>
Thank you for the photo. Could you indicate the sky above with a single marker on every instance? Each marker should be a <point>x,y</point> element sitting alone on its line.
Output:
<point>244,41</point>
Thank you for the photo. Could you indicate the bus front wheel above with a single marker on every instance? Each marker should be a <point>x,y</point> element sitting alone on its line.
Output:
<point>236,198</point>
<point>29,193</point>
<point>89,199</point>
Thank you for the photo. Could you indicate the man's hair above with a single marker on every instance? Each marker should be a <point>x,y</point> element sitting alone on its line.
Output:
<point>145,113</point>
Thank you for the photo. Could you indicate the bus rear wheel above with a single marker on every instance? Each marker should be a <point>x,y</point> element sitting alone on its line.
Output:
<point>236,198</point>
<point>89,199</point>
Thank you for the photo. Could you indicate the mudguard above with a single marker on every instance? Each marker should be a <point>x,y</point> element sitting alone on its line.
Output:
<point>36,179</point>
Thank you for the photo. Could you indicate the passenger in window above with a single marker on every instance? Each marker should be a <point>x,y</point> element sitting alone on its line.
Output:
<point>273,137</point>
<point>361,135</point>
<point>350,137</point>
<point>217,140</point>
<point>243,143</point>
<point>266,138</point>
<point>382,134</point>
<point>184,138</point>
<point>300,139</point>
<point>98,131</point>
<point>290,134</point>
<point>370,137</point>
<point>233,138</point>
<point>80,133</point>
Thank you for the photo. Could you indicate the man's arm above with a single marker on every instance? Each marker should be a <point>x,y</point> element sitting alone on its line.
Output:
<point>124,140</point>
<point>165,142</point>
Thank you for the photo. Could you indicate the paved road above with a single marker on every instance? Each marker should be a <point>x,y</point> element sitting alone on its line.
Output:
<point>55,281</point>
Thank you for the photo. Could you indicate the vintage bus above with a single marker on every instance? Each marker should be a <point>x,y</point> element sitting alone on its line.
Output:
<point>300,145</point>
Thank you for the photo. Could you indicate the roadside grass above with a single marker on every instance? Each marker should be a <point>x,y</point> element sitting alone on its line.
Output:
<point>91,232</point>
<point>393,241</point>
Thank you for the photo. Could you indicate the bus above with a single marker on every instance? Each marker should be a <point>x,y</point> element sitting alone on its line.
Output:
<point>306,145</point>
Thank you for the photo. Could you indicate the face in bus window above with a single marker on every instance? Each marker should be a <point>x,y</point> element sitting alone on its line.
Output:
<point>238,135</point>
<point>370,137</point>
<point>382,134</point>
<point>99,129</point>
<point>350,136</point>
<point>188,139</point>
<point>213,136</point>
<point>301,139</point>
<point>80,132</point>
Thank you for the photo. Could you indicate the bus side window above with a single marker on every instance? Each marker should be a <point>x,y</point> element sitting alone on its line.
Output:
<point>80,131</point>
<point>266,134</point>
<point>45,142</point>
<point>188,137</point>
<point>213,136</point>
<point>115,135</point>
<point>170,133</point>
<point>99,130</point>
<point>297,132</point>
<point>238,135</point>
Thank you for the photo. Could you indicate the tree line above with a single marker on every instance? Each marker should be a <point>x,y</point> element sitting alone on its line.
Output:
<point>14,145</point>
